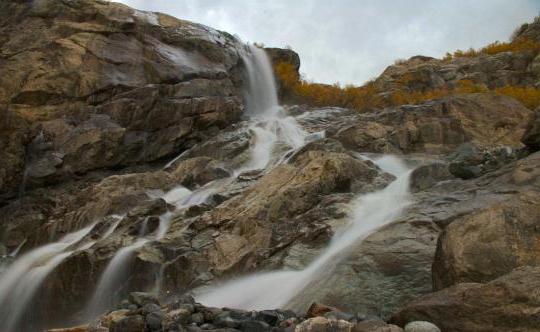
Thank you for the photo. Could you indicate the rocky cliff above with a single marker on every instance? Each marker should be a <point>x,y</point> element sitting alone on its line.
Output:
<point>129,127</point>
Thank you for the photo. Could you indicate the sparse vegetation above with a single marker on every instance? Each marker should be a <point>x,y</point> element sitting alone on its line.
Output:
<point>528,96</point>
<point>517,45</point>
<point>367,97</point>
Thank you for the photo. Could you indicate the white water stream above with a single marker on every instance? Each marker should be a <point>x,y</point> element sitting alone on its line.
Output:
<point>269,123</point>
<point>276,289</point>
<point>274,135</point>
<point>23,278</point>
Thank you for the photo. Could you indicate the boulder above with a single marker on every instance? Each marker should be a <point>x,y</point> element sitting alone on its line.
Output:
<point>509,303</point>
<point>426,176</point>
<point>421,326</point>
<point>376,277</point>
<point>489,242</point>
<point>128,324</point>
<point>374,325</point>
<point>321,324</point>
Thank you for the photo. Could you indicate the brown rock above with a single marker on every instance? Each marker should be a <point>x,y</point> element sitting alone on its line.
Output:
<point>321,324</point>
<point>376,326</point>
<point>489,242</point>
<point>100,85</point>
<point>507,304</point>
<point>318,309</point>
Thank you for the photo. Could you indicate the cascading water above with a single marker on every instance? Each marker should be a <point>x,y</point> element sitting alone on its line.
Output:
<point>269,124</point>
<point>276,289</point>
<point>23,278</point>
<point>109,289</point>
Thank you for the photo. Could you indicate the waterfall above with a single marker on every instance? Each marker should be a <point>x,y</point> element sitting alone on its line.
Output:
<point>261,95</point>
<point>23,278</point>
<point>269,124</point>
<point>276,289</point>
<point>109,290</point>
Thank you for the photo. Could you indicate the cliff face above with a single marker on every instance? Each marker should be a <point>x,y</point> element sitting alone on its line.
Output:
<point>89,85</point>
<point>111,116</point>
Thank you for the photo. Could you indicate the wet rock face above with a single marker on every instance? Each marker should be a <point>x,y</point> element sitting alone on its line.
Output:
<point>387,270</point>
<point>282,200</point>
<point>101,85</point>
<point>507,303</point>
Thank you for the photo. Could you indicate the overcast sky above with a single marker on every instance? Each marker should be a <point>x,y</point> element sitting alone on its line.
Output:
<point>352,41</point>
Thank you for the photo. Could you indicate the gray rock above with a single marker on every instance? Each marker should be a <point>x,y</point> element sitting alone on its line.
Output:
<point>254,326</point>
<point>197,318</point>
<point>154,321</point>
<point>421,326</point>
<point>128,324</point>
<point>150,307</point>
<point>140,298</point>
<point>428,175</point>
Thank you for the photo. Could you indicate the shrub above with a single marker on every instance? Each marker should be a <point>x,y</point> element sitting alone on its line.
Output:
<point>517,45</point>
<point>528,96</point>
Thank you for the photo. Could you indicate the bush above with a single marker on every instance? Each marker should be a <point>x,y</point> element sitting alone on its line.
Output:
<point>517,45</point>
<point>528,96</point>
<point>367,97</point>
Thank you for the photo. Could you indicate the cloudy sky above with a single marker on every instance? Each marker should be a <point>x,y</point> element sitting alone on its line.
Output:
<point>352,41</point>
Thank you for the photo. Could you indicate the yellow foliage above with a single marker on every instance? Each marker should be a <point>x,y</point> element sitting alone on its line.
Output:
<point>518,45</point>
<point>360,98</point>
<point>367,97</point>
<point>528,96</point>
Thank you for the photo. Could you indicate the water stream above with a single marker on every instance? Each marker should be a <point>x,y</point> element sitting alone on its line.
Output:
<point>274,135</point>
<point>276,289</point>
<point>23,278</point>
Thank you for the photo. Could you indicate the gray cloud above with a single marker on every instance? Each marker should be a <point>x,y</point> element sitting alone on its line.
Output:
<point>351,41</point>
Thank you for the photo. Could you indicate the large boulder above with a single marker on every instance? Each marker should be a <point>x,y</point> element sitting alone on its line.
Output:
<point>385,271</point>
<point>489,242</point>
<point>507,304</point>
<point>90,85</point>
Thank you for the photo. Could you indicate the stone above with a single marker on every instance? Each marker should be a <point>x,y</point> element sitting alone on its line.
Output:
<point>489,242</point>
<point>374,325</point>
<point>426,176</point>
<point>141,299</point>
<point>154,321</point>
<point>197,318</point>
<point>318,309</point>
<point>128,324</point>
<point>150,307</point>
<point>321,324</point>
<point>268,316</point>
<point>254,326</point>
<point>421,326</point>
<point>388,269</point>
<point>509,303</point>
